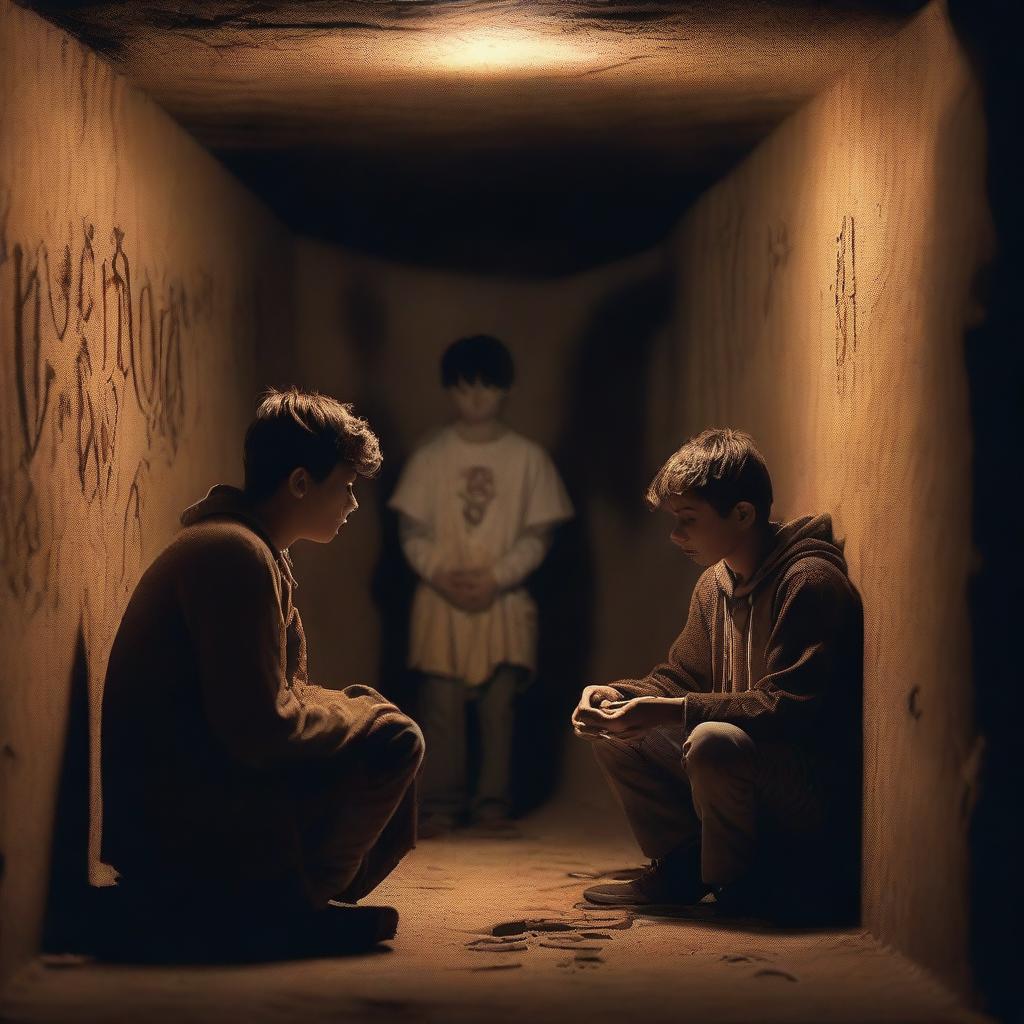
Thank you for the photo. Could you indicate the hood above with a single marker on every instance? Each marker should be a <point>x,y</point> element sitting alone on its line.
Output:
<point>803,537</point>
<point>226,502</point>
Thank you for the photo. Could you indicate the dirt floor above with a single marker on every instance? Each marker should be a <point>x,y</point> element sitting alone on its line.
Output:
<point>553,960</point>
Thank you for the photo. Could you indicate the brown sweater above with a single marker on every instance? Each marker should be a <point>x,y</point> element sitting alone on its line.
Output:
<point>207,704</point>
<point>780,655</point>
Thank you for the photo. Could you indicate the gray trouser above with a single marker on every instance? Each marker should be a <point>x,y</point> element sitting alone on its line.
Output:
<point>714,787</point>
<point>442,717</point>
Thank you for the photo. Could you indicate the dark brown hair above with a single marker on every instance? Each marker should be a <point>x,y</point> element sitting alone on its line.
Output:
<point>305,429</point>
<point>479,358</point>
<point>721,466</point>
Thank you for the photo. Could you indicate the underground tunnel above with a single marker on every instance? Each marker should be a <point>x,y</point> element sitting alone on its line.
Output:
<point>648,219</point>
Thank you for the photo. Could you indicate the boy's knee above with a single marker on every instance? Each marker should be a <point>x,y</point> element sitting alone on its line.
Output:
<point>612,752</point>
<point>717,748</point>
<point>396,740</point>
<point>361,690</point>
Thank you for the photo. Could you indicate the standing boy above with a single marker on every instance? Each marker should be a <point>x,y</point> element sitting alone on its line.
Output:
<point>477,504</point>
<point>737,761</point>
<point>232,786</point>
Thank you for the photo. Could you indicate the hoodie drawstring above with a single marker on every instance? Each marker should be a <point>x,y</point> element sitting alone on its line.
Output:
<point>750,635</point>
<point>728,641</point>
<point>727,621</point>
<point>725,649</point>
<point>714,641</point>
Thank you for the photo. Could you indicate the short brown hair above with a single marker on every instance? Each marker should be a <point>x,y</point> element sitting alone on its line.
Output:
<point>721,466</point>
<point>305,429</point>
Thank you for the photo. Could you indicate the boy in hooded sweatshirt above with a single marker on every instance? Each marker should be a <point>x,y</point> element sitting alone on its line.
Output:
<point>232,786</point>
<point>737,761</point>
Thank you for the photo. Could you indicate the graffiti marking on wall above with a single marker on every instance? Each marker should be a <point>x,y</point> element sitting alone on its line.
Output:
<point>845,297</point>
<point>156,364</point>
<point>58,279</point>
<point>132,536</point>
<point>69,402</point>
<point>86,274</point>
<point>117,307</point>
<point>97,429</point>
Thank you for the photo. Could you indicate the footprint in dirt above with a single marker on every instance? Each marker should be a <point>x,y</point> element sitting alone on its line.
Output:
<point>775,972</point>
<point>498,944</point>
<point>584,934</point>
<point>589,921</point>
<point>582,962</point>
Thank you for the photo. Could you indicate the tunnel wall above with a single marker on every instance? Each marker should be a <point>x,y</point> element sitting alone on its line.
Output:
<point>824,288</point>
<point>138,285</point>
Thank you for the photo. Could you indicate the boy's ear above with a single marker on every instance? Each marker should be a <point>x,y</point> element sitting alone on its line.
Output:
<point>745,514</point>
<point>298,482</point>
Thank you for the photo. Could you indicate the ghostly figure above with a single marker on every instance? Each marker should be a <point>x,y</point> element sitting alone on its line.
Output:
<point>477,504</point>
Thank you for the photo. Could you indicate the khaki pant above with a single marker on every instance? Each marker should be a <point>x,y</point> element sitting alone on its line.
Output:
<point>442,714</point>
<point>716,788</point>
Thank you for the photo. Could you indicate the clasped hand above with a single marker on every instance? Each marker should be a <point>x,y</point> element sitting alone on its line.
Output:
<point>472,590</point>
<point>603,713</point>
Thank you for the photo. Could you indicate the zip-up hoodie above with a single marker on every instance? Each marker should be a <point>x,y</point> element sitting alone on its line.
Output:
<point>206,698</point>
<point>779,655</point>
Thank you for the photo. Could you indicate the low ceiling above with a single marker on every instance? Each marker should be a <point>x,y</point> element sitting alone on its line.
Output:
<point>527,136</point>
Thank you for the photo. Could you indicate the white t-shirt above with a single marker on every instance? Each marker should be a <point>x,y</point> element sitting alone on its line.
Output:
<point>476,505</point>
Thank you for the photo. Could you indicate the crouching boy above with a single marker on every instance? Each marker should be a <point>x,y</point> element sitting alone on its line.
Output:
<point>737,761</point>
<point>232,786</point>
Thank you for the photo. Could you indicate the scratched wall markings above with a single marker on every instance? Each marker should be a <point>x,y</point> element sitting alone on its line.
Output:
<point>845,297</point>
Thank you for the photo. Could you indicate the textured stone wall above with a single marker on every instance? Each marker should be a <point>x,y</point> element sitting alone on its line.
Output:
<point>137,283</point>
<point>824,288</point>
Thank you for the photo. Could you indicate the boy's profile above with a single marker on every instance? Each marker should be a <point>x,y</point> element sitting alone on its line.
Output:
<point>477,504</point>
<point>737,761</point>
<point>233,787</point>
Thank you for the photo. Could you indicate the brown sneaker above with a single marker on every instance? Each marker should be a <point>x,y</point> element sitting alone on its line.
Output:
<point>671,880</point>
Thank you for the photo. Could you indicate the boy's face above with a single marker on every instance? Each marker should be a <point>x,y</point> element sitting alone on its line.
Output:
<point>324,506</point>
<point>704,535</point>
<point>476,402</point>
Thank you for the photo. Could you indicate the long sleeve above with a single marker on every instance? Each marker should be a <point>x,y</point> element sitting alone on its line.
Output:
<point>522,558</point>
<point>237,625</point>
<point>807,649</point>
<point>688,668</point>
<point>419,546</point>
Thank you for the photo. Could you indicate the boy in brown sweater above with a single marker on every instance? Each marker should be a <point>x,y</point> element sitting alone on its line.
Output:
<point>737,761</point>
<point>234,790</point>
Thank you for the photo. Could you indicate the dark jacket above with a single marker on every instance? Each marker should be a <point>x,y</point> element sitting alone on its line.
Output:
<point>207,704</point>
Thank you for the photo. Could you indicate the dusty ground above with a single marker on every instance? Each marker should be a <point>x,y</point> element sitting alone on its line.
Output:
<point>447,965</point>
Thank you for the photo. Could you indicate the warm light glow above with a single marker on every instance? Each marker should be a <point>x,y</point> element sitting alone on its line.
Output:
<point>490,50</point>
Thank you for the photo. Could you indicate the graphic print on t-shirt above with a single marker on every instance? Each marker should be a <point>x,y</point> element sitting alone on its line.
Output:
<point>477,493</point>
